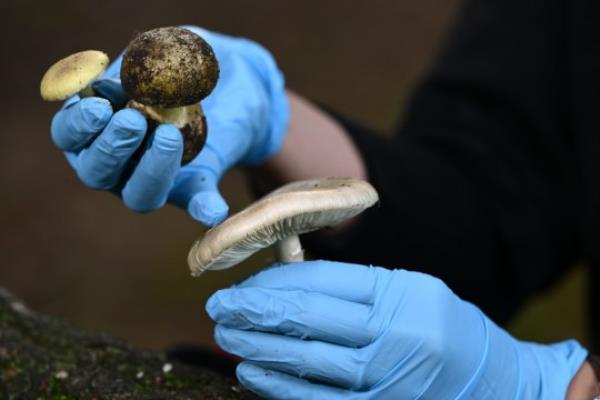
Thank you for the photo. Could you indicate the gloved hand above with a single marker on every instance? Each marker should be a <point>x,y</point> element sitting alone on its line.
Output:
<point>326,330</point>
<point>247,116</point>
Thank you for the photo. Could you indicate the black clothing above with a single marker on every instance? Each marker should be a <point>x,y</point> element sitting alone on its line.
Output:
<point>492,182</point>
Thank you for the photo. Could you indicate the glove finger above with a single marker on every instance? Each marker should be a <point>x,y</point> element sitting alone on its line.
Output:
<point>101,165</point>
<point>196,188</point>
<point>331,278</point>
<point>276,385</point>
<point>208,207</point>
<point>314,360</point>
<point>79,122</point>
<point>111,89</point>
<point>294,313</point>
<point>149,185</point>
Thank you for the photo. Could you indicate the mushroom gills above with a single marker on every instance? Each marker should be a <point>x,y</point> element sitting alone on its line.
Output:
<point>296,208</point>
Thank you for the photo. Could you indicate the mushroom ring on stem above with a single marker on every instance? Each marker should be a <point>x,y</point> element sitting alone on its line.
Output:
<point>278,218</point>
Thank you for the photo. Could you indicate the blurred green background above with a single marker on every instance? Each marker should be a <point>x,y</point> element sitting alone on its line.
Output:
<point>81,255</point>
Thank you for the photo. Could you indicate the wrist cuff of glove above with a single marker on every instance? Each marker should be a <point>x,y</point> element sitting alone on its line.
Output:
<point>519,370</point>
<point>498,376</point>
<point>547,370</point>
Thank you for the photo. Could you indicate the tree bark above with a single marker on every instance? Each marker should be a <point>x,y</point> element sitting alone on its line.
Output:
<point>43,358</point>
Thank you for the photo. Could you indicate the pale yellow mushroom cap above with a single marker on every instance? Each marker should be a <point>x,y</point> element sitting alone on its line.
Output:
<point>296,208</point>
<point>72,74</point>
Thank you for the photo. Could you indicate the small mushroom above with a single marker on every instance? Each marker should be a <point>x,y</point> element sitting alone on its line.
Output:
<point>73,75</point>
<point>166,72</point>
<point>278,218</point>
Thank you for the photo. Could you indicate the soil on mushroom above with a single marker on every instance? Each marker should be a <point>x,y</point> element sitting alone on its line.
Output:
<point>169,67</point>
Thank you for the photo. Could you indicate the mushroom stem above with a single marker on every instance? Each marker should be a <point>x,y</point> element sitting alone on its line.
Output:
<point>178,116</point>
<point>289,250</point>
<point>188,119</point>
<point>87,91</point>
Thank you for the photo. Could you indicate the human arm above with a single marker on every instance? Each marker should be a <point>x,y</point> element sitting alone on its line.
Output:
<point>584,385</point>
<point>333,330</point>
<point>315,145</point>
<point>479,184</point>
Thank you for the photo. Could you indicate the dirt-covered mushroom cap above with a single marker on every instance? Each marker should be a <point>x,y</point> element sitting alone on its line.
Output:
<point>296,208</point>
<point>169,67</point>
<point>72,74</point>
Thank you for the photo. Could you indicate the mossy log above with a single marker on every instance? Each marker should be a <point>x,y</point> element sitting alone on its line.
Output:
<point>43,358</point>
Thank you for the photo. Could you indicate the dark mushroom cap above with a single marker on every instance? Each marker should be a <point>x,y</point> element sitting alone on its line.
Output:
<point>169,67</point>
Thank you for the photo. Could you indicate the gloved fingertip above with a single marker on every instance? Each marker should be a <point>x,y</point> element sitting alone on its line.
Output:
<point>95,111</point>
<point>247,373</point>
<point>91,101</point>
<point>209,208</point>
<point>73,126</point>
<point>130,119</point>
<point>212,306</point>
<point>70,101</point>
<point>238,309</point>
<point>167,138</point>
<point>221,338</point>
<point>140,205</point>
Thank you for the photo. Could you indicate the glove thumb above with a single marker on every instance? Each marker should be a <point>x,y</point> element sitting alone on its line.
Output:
<point>196,189</point>
<point>208,207</point>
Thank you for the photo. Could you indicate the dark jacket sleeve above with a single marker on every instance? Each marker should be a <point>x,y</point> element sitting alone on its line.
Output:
<point>478,184</point>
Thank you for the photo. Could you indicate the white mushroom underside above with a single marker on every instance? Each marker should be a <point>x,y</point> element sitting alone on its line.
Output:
<point>297,208</point>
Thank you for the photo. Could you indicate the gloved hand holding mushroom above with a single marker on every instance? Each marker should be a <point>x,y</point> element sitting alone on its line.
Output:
<point>327,330</point>
<point>107,145</point>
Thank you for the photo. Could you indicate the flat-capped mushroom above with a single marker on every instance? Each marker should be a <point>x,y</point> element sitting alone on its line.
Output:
<point>73,75</point>
<point>278,218</point>
<point>166,72</point>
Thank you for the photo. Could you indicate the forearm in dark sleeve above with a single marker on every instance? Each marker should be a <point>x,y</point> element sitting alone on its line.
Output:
<point>478,185</point>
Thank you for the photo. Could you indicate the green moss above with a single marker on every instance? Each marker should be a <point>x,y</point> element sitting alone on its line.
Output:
<point>44,358</point>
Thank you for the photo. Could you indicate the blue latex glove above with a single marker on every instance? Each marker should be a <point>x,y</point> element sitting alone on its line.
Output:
<point>247,116</point>
<point>326,330</point>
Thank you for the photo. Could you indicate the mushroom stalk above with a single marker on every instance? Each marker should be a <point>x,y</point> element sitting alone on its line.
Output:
<point>178,116</point>
<point>189,120</point>
<point>289,250</point>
